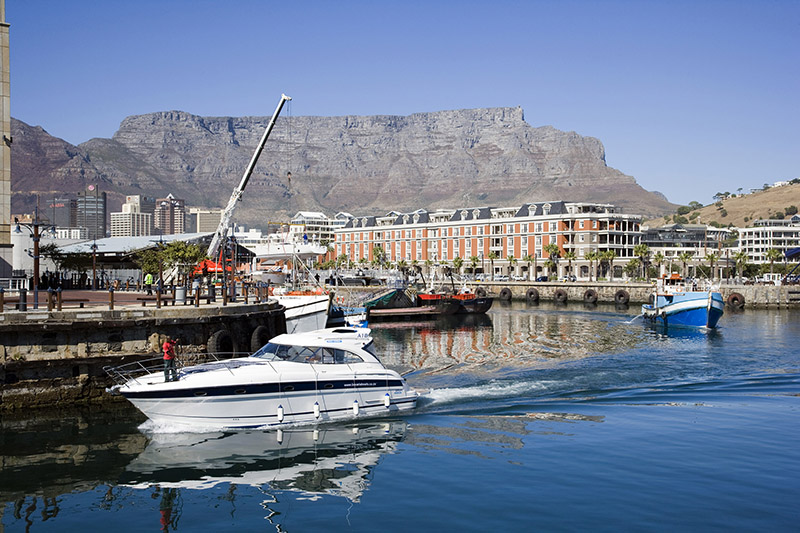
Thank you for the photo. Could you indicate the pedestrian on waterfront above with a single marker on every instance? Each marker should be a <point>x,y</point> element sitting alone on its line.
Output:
<point>170,374</point>
<point>148,283</point>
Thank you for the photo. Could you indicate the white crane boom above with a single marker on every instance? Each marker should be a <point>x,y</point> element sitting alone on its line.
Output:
<point>227,215</point>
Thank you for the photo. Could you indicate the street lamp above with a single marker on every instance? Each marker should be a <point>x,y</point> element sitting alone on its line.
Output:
<point>34,229</point>
<point>94,265</point>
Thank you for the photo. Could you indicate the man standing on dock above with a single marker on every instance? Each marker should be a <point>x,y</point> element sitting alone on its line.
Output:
<point>170,374</point>
<point>148,283</point>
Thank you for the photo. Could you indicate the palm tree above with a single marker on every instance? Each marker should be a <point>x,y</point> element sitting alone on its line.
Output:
<point>591,257</point>
<point>658,260</point>
<point>570,257</point>
<point>511,262</point>
<point>632,266</point>
<point>740,258</point>
<point>528,258</point>
<point>492,256</point>
<point>773,254</point>
<point>552,250</point>
<point>473,262</point>
<point>712,258</point>
<point>685,257</point>
<point>609,256</point>
<point>642,251</point>
<point>457,264</point>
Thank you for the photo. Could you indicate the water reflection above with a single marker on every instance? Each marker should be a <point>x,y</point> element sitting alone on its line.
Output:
<point>335,460</point>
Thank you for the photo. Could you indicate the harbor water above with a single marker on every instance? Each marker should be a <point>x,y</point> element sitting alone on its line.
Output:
<point>532,417</point>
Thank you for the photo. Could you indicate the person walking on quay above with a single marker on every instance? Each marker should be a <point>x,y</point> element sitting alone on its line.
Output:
<point>148,283</point>
<point>170,374</point>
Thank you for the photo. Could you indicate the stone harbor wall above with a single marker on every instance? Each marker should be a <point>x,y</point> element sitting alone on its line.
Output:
<point>55,358</point>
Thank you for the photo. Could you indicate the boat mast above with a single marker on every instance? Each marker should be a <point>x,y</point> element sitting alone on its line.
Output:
<point>236,196</point>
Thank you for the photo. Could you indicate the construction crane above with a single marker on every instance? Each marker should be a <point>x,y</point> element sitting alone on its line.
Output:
<point>236,196</point>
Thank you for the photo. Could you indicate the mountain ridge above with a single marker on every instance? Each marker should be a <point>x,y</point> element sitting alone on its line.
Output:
<point>362,164</point>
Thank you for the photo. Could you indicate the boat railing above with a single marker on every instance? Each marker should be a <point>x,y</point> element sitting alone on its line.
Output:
<point>136,370</point>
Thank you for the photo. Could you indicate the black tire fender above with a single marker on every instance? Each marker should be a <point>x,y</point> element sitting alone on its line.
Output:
<point>532,295</point>
<point>590,296</point>
<point>735,300</point>
<point>506,294</point>
<point>480,292</point>
<point>221,344</point>
<point>560,296</point>
<point>621,297</point>
<point>261,336</point>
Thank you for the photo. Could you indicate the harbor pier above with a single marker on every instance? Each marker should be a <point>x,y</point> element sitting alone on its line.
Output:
<point>52,358</point>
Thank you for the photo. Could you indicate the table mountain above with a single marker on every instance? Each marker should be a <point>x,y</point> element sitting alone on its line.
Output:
<point>360,164</point>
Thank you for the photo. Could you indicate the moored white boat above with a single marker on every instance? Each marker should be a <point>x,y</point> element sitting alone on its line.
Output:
<point>295,379</point>
<point>304,310</point>
<point>676,304</point>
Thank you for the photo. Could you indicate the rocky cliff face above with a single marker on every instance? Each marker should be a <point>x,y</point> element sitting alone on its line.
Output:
<point>365,165</point>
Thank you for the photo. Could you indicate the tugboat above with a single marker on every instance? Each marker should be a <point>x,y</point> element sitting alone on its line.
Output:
<point>676,303</point>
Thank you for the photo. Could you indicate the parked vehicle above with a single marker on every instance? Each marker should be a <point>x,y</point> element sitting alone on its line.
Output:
<point>541,278</point>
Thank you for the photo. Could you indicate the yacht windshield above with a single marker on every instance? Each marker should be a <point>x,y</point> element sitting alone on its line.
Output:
<point>305,354</point>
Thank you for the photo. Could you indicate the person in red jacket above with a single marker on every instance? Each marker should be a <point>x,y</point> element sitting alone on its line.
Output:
<point>170,373</point>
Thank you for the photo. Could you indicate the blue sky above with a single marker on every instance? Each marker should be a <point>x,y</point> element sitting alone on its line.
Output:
<point>689,97</point>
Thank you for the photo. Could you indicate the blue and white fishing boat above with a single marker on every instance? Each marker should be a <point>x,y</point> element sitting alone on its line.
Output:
<point>676,303</point>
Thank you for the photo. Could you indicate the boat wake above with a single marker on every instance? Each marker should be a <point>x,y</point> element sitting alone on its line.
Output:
<point>493,390</point>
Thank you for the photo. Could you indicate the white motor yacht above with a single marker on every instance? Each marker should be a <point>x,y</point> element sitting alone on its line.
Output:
<point>295,379</point>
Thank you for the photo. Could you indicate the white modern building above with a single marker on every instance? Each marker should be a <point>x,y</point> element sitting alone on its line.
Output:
<point>765,235</point>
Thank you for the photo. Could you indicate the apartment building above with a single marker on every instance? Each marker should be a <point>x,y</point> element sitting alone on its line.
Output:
<point>499,233</point>
<point>768,234</point>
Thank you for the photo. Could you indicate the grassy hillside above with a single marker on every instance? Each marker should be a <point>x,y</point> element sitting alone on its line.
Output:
<point>742,210</point>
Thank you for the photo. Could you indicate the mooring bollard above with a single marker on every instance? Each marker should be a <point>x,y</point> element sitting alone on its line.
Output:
<point>58,298</point>
<point>23,300</point>
<point>197,296</point>
<point>111,298</point>
<point>50,299</point>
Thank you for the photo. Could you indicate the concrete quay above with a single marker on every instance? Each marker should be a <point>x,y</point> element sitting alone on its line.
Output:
<point>52,358</point>
<point>628,293</point>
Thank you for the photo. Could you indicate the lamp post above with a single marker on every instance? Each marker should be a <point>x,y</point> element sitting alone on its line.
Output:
<point>34,229</point>
<point>94,265</point>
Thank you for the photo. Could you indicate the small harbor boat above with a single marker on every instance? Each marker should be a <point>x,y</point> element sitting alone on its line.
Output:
<point>295,379</point>
<point>676,303</point>
<point>305,310</point>
<point>468,302</point>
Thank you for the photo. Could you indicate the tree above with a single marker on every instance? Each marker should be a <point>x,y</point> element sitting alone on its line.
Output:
<point>457,264</point>
<point>632,266</point>
<point>712,258</point>
<point>773,254</point>
<point>552,250</point>
<point>492,256</point>
<point>528,259</point>
<point>473,262</point>
<point>608,257</point>
<point>378,255</point>
<point>658,260</point>
<point>183,257</point>
<point>684,258</point>
<point>642,251</point>
<point>740,258</point>
<point>591,257</point>
<point>511,262</point>
<point>570,257</point>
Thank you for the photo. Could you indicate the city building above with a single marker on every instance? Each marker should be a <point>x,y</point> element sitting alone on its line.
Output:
<point>498,238</point>
<point>135,219</point>
<point>170,216</point>
<point>63,212</point>
<point>769,234</point>
<point>318,227</point>
<point>91,212</point>
<point>203,220</point>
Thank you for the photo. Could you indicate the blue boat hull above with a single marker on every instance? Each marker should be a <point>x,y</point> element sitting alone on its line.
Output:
<point>689,309</point>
